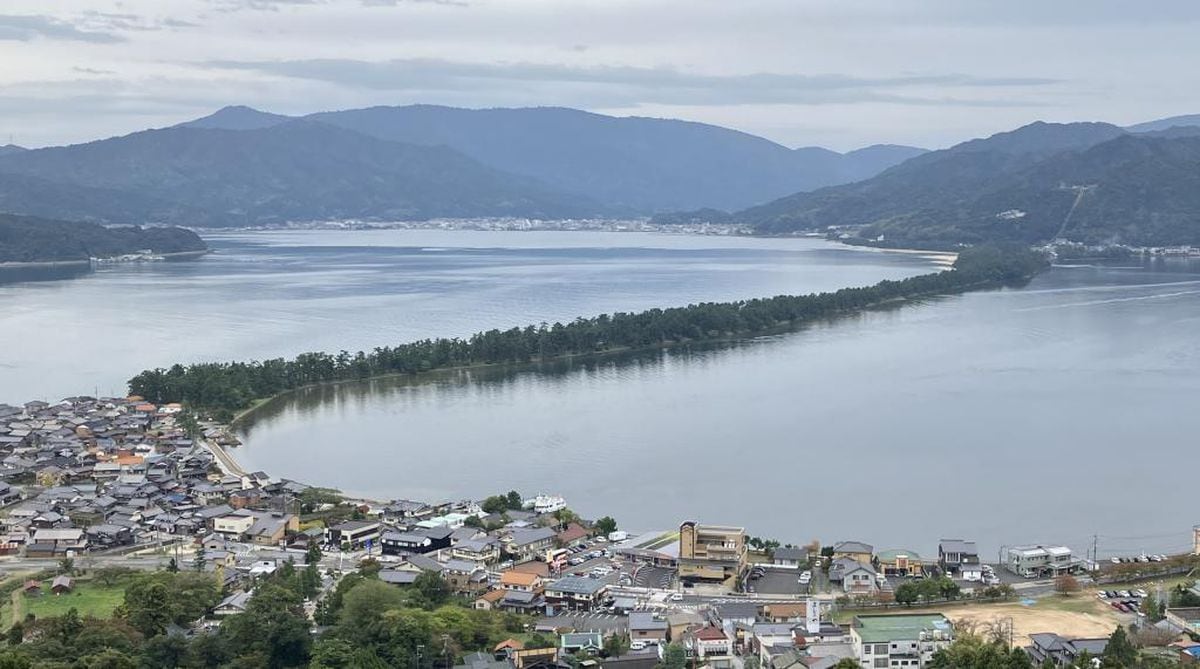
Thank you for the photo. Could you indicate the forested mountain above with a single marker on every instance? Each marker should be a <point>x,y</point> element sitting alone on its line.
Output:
<point>237,117</point>
<point>1017,186</point>
<point>28,239</point>
<point>11,148</point>
<point>298,170</point>
<point>643,164</point>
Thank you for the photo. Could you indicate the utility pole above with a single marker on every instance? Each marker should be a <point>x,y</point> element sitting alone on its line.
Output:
<point>1096,549</point>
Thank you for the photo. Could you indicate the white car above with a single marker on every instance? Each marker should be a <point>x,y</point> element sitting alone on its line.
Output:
<point>677,597</point>
<point>1141,593</point>
<point>806,574</point>
<point>637,644</point>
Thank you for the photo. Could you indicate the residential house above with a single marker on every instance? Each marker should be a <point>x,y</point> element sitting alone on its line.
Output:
<point>789,557</point>
<point>955,554</point>
<point>528,543</point>
<point>270,529</point>
<point>489,600</point>
<point>854,550</point>
<point>520,581</point>
<point>897,641</point>
<point>588,643</point>
<point>485,551</point>
<point>465,577</point>
<point>711,552</point>
<point>235,603</point>
<point>109,536</point>
<point>1061,651</point>
<point>854,577</point>
<point>647,626</point>
<point>523,602</point>
<point>707,641</point>
<point>784,612</point>
<point>399,576</point>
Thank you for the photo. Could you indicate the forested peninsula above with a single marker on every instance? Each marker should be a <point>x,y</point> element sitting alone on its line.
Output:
<point>221,389</point>
<point>26,239</point>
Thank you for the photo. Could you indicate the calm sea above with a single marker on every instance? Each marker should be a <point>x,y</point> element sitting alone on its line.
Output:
<point>1050,413</point>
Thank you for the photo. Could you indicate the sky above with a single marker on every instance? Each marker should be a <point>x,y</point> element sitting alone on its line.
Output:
<point>836,73</point>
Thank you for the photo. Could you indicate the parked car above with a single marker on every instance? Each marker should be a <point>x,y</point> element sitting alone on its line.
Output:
<point>1116,560</point>
<point>677,597</point>
<point>1141,593</point>
<point>1102,595</point>
<point>1124,593</point>
<point>637,644</point>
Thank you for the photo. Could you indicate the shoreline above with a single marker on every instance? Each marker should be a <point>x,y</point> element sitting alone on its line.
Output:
<point>35,264</point>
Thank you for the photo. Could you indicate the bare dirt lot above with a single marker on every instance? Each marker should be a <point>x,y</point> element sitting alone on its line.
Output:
<point>1079,616</point>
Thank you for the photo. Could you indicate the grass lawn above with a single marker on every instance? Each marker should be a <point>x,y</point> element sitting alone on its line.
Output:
<point>89,598</point>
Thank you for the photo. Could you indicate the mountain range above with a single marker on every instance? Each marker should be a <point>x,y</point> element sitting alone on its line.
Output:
<point>1089,182</point>
<point>1093,182</point>
<point>241,166</point>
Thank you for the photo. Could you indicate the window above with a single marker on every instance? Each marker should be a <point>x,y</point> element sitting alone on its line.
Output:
<point>881,662</point>
<point>881,649</point>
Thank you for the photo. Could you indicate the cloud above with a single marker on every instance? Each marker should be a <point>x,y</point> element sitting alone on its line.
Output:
<point>111,21</point>
<point>276,5</point>
<point>27,27</point>
<point>259,5</point>
<point>627,85</point>
<point>396,3</point>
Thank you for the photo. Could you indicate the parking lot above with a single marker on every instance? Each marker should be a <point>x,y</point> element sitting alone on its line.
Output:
<point>777,582</point>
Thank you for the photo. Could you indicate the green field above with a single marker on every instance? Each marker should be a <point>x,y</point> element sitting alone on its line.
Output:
<point>88,598</point>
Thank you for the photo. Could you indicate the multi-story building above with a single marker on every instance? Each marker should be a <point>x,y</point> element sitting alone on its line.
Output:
<point>1033,561</point>
<point>356,533</point>
<point>711,552</point>
<point>576,593</point>
<point>901,641</point>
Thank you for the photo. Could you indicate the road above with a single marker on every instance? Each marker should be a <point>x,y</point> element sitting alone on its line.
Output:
<point>224,460</point>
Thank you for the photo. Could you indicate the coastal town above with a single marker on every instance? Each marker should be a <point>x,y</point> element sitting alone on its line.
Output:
<point>121,481</point>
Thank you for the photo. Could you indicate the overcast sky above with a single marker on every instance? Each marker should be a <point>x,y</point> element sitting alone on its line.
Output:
<point>836,73</point>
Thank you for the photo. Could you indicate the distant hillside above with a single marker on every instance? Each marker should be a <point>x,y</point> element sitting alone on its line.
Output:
<point>27,239</point>
<point>1166,123</point>
<point>11,148</point>
<point>237,117</point>
<point>641,164</point>
<point>1085,181</point>
<point>298,170</point>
